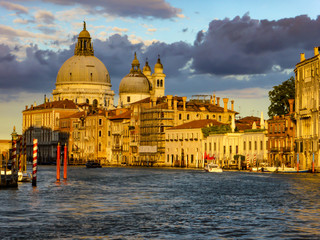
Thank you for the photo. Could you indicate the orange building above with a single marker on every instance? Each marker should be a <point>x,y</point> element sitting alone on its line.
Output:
<point>281,134</point>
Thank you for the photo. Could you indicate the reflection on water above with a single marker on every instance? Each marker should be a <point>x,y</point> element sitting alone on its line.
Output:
<point>135,203</point>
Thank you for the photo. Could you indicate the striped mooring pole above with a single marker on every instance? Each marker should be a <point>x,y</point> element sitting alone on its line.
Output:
<point>65,162</point>
<point>20,153</point>
<point>34,163</point>
<point>14,155</point>
<point>58,162</point>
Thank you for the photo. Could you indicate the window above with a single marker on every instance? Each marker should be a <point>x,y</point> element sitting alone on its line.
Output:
<point>168,157</point>
<point>128,99</point>
<point>180,116</point>
<point>99,147</point>
<point>158,83</point>
<point>219,118</point>
<point>188,116</point>
<point>207,116</point>
<point>255,145</point>
<point>109,133</point>
<point>100,121</point>
<point>210,147</point>
<point>161,83</point>
<point>191,158</point>
<point>213,116</point>
<point>214,146</point>
<point>230,149</point>
<point>249,145</point>
<point>224,149</point>
<point>100,134</point>
<point>237,149</point>
<point>244,145</point>
<point>261,145</point>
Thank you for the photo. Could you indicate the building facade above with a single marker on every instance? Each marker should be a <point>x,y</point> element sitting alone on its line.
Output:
<point>307,101</point>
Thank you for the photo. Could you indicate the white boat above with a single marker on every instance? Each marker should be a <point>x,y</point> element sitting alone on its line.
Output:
<point>24,177</point>
<point>283,170</point>
<point>211,167</point>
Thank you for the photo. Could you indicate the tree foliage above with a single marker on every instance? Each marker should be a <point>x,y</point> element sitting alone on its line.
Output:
<point>220,129</point>
<point>279,97</point>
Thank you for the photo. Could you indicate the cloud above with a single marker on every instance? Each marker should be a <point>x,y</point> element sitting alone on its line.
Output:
<point>151,29</point>
<point>43,16</point>
<point>230,54</point>
<point>19,9</point>
<point>128,8</point>
<point>249,46</point>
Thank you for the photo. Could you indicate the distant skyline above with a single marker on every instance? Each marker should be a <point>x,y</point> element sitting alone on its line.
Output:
<point>235,49</point>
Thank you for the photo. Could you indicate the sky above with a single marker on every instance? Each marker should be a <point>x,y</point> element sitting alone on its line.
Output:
<point>231,48</point>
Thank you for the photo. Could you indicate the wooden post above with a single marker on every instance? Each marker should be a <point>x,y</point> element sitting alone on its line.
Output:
<point>34,164</point>
<point>65,163</point>
<point>58,162</point>
<point>297,162</point>
<point>313,163</point>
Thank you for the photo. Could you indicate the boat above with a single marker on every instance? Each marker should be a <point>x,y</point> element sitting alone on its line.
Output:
<point>284,170</point>
<point>8,179</point>
<point>24,177</point>
<point>93,164</point>
<point>211,167</point>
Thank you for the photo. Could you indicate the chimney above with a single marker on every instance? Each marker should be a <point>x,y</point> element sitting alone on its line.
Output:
<point>184,99</point>
<point>218,101</point>
<point>169,99</point>
<point>175,104</point>
<point>154,101</point>
<point>26,107</point>
<point>214,99</point>
<point>232,105</point>
<point>225,102</point>
<point>316,51</point>
<point>302,57</point>
<point>291,101</point>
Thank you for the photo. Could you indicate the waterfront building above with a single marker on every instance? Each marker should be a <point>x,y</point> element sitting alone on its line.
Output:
<point>83,78</point>
<point>184,144</point>
<point>281,135</point>
<point>43,123</point>
<point>120,137</point>
<point>168,111</point>
<point>307,101</point>
<point>228,148</point>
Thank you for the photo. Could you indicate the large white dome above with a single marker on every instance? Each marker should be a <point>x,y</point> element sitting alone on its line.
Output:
<point>83,69</point>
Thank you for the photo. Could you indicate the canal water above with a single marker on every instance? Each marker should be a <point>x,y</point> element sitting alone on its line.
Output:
<point>148,203</point>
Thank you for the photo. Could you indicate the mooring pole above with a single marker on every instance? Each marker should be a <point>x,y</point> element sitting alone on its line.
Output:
<point>297,162</point>
<point>65,163</point>
<point>313,163</point>
<point>58,162</point>
<point>34,163</point>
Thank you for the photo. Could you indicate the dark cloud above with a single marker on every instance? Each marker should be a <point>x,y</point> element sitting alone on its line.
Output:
<point>185,30</point>
<point>47,30</point>
<point>216,61</point>
<point>248,46</point>
<point>127,8</point>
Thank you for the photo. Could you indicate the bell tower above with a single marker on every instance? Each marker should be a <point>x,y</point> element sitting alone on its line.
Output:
<point>84,47</point>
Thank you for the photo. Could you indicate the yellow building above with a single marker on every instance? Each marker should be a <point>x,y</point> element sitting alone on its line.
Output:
<point>184,144</point>
<point>307,101</point>
<point>43,123</point>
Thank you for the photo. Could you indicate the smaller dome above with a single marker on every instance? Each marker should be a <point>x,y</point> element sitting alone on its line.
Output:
<point>84,34</point>
<point>134,83</point>
<point>158,64</point>
<point>146,68</point>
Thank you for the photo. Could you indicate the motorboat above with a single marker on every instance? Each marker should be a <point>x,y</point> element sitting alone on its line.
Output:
<point>211,167</point>
<point>284,170</point>
<point>93,164</point>
<point>24,177</point>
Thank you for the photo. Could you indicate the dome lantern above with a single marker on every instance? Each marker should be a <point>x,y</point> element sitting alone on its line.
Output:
<point>84,47</point>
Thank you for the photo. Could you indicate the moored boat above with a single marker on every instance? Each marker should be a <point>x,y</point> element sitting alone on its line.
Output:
<point>93,164</point>
<point>211,167</point>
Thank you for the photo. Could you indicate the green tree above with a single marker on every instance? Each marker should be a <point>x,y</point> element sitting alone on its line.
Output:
<point>279,98</point>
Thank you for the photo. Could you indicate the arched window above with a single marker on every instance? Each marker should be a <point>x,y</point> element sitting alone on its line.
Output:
<point>87,100</point>
<point>95,103</point>
<point>158,83</point>
<point>207,116</point>
<point>180,116</point>
<point>188,116</point>
<point>161,83</point>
